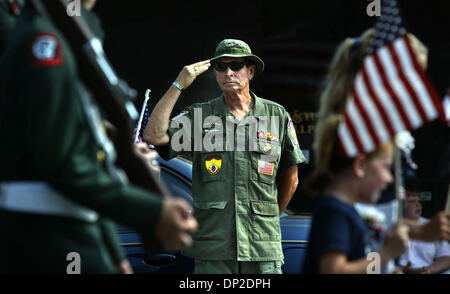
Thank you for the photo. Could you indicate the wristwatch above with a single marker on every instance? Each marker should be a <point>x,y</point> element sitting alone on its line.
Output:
<point>178,86</point>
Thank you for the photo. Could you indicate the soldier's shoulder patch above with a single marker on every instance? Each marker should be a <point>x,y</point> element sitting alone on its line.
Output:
<point>291,133</point>
<point>46,50</point>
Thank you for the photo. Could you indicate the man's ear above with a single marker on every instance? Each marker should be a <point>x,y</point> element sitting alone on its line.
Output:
<point>359,164</point>
<point>251,71</point>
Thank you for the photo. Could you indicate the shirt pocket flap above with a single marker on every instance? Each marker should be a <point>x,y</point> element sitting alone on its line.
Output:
<point>265,208</point>
<point>210,204</point>
<point>267,148</point>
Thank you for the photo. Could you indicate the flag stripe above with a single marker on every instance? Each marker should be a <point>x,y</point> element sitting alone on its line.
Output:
<point>401,85</point>
<point>435,105</point>
<point>368,106</point>
<point>359,126</point>
<point>388,106</point>
<point>376,101</point>
<point>446,107</point>
<point>347,145</point>
<point>372,111</point>
<point>364,115</point>
<point>421,97</point>
<point>393,96</point>
<point>353,134</point>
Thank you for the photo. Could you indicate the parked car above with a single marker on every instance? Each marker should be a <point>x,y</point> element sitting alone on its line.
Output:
<point>177,174</point>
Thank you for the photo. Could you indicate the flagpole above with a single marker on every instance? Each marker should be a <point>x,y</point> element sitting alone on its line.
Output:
<point>447,204</point>
<point>147,97</point>
<point>399,189</point>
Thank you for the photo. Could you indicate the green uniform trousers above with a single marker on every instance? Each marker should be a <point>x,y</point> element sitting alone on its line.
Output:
<point>237,267</point>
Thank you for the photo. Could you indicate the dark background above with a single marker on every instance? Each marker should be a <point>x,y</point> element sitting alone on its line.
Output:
<point>149,42</point>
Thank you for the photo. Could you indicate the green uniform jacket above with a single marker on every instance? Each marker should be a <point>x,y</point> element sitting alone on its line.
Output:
<point>51,132</point>
<point>234,189</point>
<point>8,20</point>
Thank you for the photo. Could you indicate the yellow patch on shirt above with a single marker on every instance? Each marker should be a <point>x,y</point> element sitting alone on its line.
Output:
<point>213,164</point>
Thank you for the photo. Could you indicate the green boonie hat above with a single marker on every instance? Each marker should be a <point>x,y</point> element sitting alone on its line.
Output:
<point>237,48</point>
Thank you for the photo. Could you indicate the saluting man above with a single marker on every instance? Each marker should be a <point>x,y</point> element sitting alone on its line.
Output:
<point>59,186</point>
<point>244,166</point>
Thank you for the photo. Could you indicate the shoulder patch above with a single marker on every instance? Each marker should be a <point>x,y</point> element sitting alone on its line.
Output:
<point>46,50</point>
<point>291,133</point>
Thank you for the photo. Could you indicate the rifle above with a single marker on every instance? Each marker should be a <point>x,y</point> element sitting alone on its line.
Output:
<point>99,76</point>
<point>399,186</point>
<point>447,203</point>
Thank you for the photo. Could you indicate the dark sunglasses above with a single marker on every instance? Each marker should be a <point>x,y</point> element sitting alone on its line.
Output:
<point>234,65</point>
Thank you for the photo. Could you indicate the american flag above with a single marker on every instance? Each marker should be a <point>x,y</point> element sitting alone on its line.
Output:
<point>138,133</point>
<point>391,92</point>
<point>446,104</point>
<point>265,167</point>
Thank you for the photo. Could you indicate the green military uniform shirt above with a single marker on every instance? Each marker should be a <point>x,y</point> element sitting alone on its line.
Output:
<point>51,133</point>
<point>9,12</point>
<point>234,188</point>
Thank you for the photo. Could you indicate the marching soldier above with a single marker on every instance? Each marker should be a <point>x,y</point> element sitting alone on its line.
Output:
<point>9,13</point>
<point>60,189</point>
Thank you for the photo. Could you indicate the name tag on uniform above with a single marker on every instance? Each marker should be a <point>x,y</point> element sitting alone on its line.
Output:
<point>265,167</point>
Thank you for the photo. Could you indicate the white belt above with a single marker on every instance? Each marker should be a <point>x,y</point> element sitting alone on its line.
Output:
<point>40,198</point>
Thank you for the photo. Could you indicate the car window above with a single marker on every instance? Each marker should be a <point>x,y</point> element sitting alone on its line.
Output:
<point>177,185</point>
